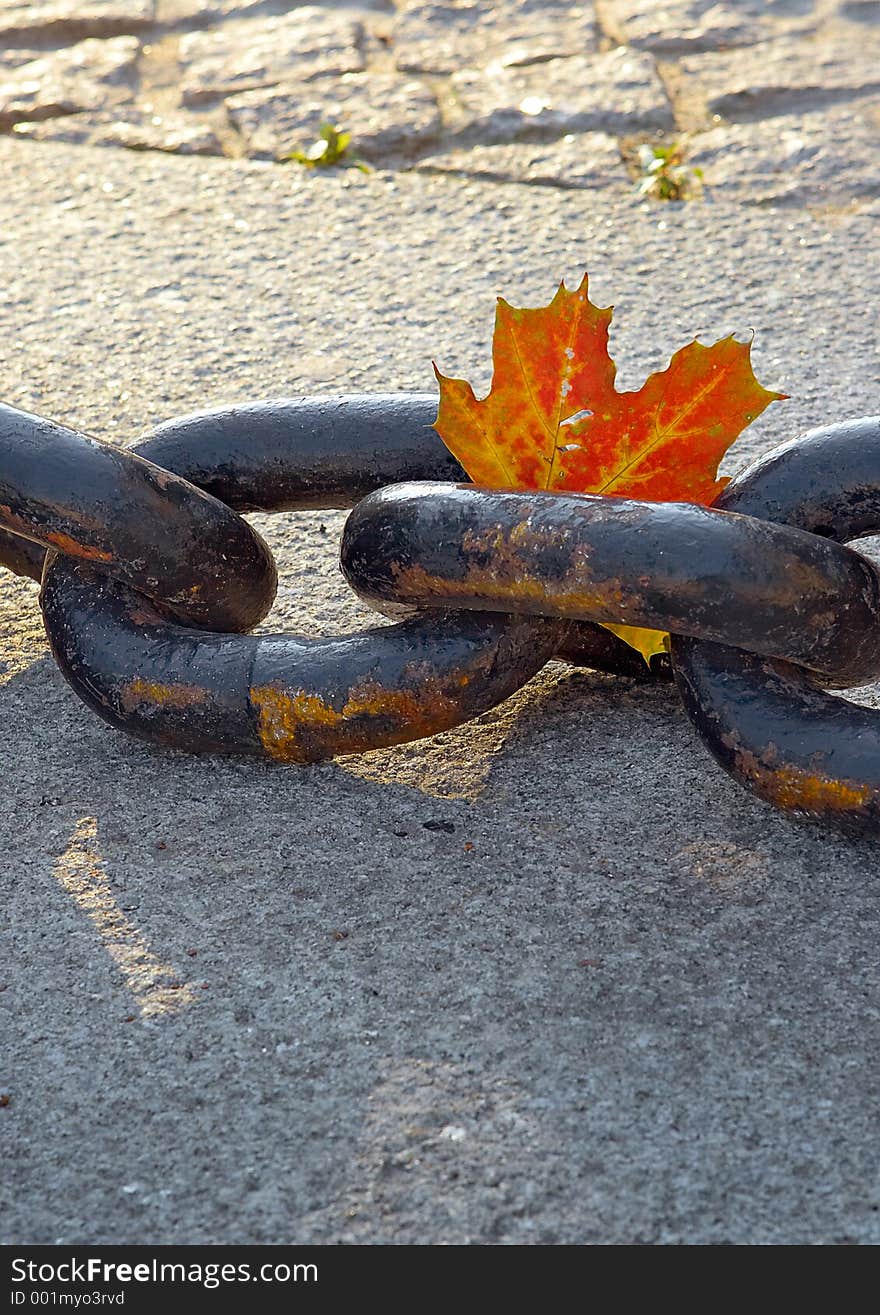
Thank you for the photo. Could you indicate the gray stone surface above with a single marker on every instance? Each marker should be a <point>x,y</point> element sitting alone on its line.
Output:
<point>208,11</point>
<point>590,159</point>
<point>92,74</point>
<point>441,38</point>
<point>386,113</point>
<point>73,18</point>
<point>785,75</point>
<point>859,11</point>
<point>131,128</point>
<point>246,1003</point>
<point>183,11</point>
<point>261,52</point>
<point>672,27</point>
<point>14,57</point>
<point>618,92</point>
<point>795,158</point>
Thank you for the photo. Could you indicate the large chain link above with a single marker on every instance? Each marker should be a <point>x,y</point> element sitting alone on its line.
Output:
<point>152,579</point>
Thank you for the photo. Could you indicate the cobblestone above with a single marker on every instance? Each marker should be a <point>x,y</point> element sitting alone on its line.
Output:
<point>209,11</point>
<point>618,92</point>
<point>825,157</point>
<point>784,75</point>
<point>132,128</point>
<point>678,26</point>
<point>79,18</point>
<point>861,11</point>
<point>519,91</point>
<point>247,54</point>
<point>92,74</point>
<point>15,57</point>
<point>588,160</point>
<point>440,38</point>
<point>386,113</point>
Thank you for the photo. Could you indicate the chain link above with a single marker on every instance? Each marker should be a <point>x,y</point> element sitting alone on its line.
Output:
<point>152,579</point>
<point>769,723</point>
<point>149,528</point>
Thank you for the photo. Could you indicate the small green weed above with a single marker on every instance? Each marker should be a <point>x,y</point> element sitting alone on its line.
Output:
<point>332,148</point>
<point>665,176</point>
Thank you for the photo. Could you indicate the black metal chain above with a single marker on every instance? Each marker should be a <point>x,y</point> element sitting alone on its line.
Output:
<point>152,580</point>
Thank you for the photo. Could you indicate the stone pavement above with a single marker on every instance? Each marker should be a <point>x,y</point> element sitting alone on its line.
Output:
<point>551,977</point>
<point>776,100</point>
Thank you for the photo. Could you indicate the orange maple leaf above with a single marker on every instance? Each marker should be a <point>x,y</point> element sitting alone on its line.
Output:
<point>553,418</point>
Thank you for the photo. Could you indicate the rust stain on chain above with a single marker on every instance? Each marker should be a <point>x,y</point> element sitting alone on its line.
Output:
<point>13,520</point>
<point>302,727</point>
<point>139,691</point>
<point>570,600</point>
<point>70,545</point>
<point>283,717</point>
<point>796,789</point>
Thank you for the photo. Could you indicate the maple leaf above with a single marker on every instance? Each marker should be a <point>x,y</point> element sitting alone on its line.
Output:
<point>553,418</point>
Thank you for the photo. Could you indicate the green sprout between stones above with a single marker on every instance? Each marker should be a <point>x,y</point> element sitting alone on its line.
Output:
<point>664,174</point>
<point>332,148</point>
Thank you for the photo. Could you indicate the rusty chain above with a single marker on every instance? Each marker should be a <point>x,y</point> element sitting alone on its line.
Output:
<point>151,580</point>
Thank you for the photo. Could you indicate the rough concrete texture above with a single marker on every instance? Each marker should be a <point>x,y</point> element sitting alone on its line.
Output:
<point>551,977</point>
<point>787,74</point>
<point>130,127</point>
